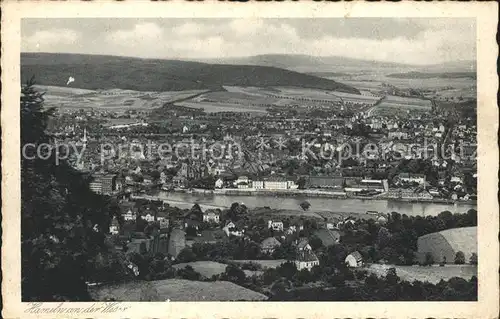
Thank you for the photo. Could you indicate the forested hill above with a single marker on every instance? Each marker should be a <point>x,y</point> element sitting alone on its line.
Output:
<point>108,72</point>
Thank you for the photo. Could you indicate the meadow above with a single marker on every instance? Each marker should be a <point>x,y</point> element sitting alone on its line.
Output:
<point>210,268</point>
<point>254,99</point>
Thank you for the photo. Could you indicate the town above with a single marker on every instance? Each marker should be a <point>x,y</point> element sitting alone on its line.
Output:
<point>311,149</point>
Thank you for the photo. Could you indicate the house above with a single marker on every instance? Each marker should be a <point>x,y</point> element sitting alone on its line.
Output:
<point>148,217</point>
<point>211,216</point>
<point>231,230</point>
<point>219,183</point>
<point>268,245</point>
<point>164,222</point>
<point>130,215</point>
<point>303,245</point>
<point>114,228</point>
<point>456,179</point>
<point>242,180</point>
<point>147,180</point>
<point>128,210</point>
<point>306,259</point>
<point>354,260</point>
<point>293,228</point>
<point>134,268</point>
<point>331,226</point>
<point>381,219</point>
<point>179,181</point>
<point>275,225</point>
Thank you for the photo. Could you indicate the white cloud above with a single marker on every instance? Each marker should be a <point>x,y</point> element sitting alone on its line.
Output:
<point>188,29</point>
<point>142,32</point>
<point>47,40</point>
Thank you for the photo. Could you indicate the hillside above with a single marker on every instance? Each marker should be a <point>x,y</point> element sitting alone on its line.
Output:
<point>108,72</point>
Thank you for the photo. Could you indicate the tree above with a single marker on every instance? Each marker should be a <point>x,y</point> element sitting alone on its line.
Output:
<point>301,182</point>
<point>383,238</point>
<point>459,258</point>
<point>234,274</point>
<point>186,255</point>
<point>188,273</point>
<point>63,223</point>
<point>287,270</point>
<point>303,276</point>
<point>155,175</point>
<point>305,205</point>
<point>443,262</point>
<point>473,259</point>
<point>315,242</point>
<point>391,276</point>
<point>140,223</point>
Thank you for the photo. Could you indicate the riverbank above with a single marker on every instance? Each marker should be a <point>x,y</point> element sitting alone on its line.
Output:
<point>325,206</point>
<point>316,193</point>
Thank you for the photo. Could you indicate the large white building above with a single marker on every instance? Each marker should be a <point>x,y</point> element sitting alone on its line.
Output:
<point>274,183</point>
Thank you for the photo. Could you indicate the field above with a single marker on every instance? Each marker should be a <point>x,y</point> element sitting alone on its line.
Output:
<point>253,99</point>
<point>175,290</point>
<point>395,104</point>
<point>431,274</point>
<point>210,268</point>
<point>114,100</point>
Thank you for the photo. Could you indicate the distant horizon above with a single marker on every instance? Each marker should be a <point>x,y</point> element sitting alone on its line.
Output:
<point>408,41</point>
<point>204,60</point>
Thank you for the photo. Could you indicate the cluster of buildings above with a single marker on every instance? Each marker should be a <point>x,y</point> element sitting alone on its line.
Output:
<point>171,233</point>
<point>139,167</point>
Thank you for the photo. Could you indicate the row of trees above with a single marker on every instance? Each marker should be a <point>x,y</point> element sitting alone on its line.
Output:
<point>458,260</point>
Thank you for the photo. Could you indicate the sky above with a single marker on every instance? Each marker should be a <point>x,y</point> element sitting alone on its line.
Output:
<point>402,40</point>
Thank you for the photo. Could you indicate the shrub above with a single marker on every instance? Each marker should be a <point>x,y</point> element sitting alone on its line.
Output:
<point>473,259</point>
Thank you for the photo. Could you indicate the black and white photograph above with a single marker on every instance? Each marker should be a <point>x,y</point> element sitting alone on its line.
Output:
<point>257,159</point>
<point>249,159</point>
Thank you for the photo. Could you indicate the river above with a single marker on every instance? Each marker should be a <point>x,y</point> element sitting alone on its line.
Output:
<point>349,205</point>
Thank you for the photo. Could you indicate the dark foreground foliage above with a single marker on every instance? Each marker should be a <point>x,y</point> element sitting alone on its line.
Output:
<point>63,223</point>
